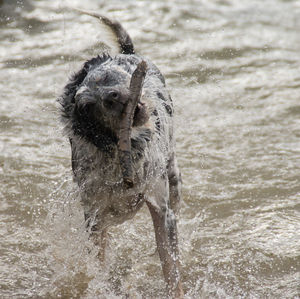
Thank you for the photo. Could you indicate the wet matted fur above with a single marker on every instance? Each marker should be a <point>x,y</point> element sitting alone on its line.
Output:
<point>92,104</point>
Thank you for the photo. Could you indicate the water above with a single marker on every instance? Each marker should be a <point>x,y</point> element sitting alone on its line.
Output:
<point>232,68</point>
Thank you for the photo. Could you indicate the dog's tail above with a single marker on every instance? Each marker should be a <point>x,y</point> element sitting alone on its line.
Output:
<point>119,33</point>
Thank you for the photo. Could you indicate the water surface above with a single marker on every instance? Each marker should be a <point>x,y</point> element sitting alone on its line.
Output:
<point>232,68</point>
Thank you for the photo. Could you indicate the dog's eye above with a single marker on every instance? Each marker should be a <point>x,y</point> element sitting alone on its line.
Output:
<point>113,100</point>
<point>114,95</point>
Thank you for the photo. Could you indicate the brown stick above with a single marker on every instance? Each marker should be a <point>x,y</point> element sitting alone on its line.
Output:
<point>124,143</point>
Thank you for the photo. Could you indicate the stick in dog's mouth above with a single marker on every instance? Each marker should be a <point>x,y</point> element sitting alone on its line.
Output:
<point>124,133</point>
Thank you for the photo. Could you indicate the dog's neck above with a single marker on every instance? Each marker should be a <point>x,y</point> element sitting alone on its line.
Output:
<point>105,140</point>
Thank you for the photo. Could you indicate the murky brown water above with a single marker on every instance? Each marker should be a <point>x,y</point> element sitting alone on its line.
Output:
<point>233,69</point>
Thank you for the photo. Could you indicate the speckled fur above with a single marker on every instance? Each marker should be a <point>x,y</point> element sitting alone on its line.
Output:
<point>97,170</point>
<point>91,121</point>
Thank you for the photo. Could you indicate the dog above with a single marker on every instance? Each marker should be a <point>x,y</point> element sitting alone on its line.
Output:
<point>92,108</point>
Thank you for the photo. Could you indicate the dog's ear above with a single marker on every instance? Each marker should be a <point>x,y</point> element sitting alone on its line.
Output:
<point>95,62</point>
<point>67,99</point>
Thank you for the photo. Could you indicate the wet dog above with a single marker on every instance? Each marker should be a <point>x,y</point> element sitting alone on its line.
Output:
<point>94,104</point>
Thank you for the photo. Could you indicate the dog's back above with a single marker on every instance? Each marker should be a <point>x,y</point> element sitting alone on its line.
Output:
<point>92,103</point>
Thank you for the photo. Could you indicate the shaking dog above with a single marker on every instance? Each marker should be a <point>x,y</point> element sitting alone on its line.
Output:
<point>118,116</point>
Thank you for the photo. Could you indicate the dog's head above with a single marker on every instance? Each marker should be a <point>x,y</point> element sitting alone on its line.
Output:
<point>96,97</point>
<point>102,96</point>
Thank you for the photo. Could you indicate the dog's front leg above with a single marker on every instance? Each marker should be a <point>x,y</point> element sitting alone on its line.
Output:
<point>102,246</point>
<point>100,240</point>
<point>165,228</point>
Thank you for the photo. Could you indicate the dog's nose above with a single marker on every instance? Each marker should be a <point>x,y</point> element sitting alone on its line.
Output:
<point>112,96</point>
<point>83,98</point>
